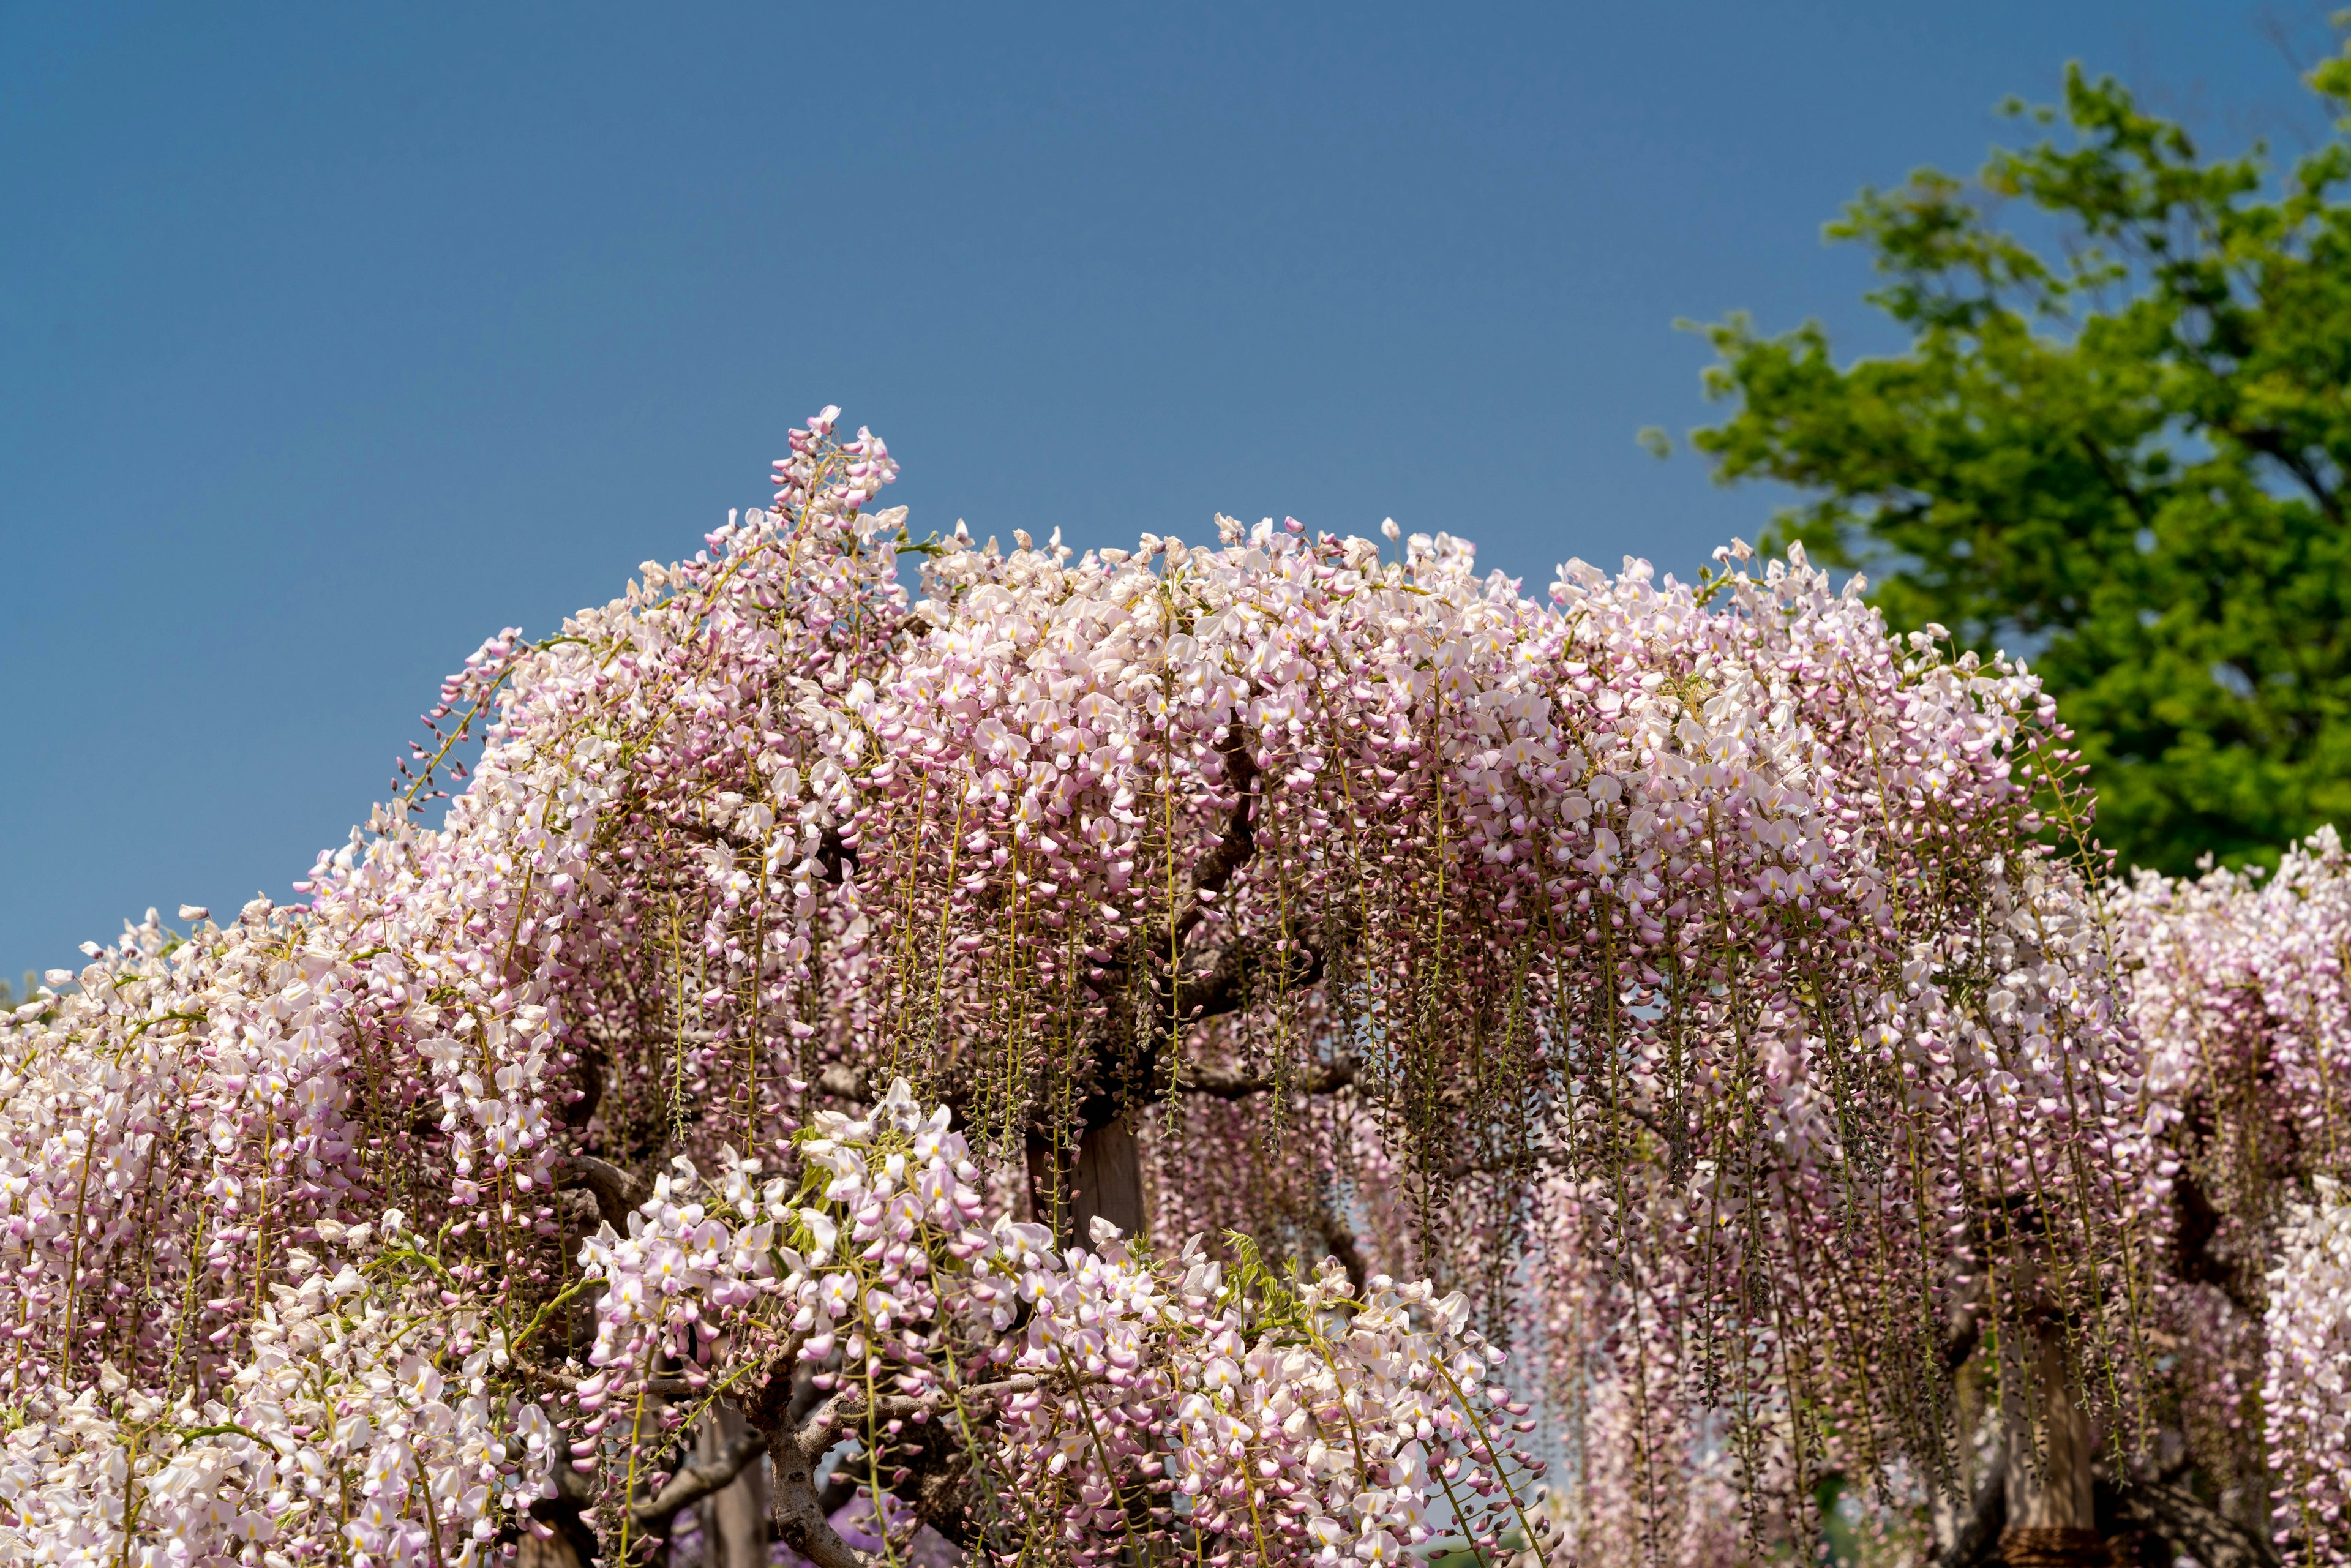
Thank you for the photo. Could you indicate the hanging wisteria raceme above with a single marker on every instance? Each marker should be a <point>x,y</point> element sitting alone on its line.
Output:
<point>2240,992</point>
<point>1133,1400</point>
<point>1649,1479</point>
<point>1674,974</point>
<point>2306,1382</point>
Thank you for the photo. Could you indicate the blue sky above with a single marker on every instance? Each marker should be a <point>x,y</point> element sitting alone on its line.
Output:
<point>333,338</point>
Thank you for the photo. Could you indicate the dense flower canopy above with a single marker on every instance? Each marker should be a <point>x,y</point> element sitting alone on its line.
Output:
<point>2241,995</point>
<point>1006,1044</point>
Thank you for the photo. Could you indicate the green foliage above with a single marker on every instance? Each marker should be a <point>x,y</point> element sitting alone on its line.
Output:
<point>2118,442</point>
<point>24,993</point>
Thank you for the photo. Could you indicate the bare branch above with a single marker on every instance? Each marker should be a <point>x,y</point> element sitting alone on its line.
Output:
<point>2275,444</point>
<point>572,1543</point>
<point>545,1377</point>
<point>798,1510</point>
<point>711,833</point>
<point>580,1112</point>
<point>943,1496</point>
<point>2197,1258</point>
<point>800,1522</point>
<point>669,1387</point>
<point>802,1509</point>
<point>1544,1155</point>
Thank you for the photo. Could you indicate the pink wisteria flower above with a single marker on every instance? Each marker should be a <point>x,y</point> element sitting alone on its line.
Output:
<point>1102,1053</point>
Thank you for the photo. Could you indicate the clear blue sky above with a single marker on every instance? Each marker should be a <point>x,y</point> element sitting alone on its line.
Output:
<point>334,338</point>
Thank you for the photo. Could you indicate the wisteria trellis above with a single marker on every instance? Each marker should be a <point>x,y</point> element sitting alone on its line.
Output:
<point>811,985</point>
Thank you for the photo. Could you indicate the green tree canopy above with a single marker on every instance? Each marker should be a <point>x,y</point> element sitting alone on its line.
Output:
<point>2118,442</point>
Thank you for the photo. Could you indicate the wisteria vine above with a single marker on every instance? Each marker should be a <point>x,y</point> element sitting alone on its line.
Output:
<point>1004,1044</point>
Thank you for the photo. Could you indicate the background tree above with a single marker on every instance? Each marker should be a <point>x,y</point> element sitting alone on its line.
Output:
<point>2118,442</point>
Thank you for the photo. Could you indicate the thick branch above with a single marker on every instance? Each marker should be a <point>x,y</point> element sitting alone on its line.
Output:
<point>861,1086</point>
<point>944,1495</point>
<point>842,1414</point>
<point>800,1516</point>
<point>1967,1333</point>
<point>618,1192</point>
<point>669,1387</point>
<point>1976,1541</point>
<point>1224,987</point>
<point>833,854</point>
<point>800,1521</point>
<point>2197,1258</point>
<point>845,1082</point>
<point>1544,1155</point>
<point>573,1543</point>
<point>1340,1237</point>
<point>1216,867</point>
<point>580,1112</point>
<point>832,851</point>
<point>1231,1083</point>
<point>798,1508</point>
<point>2191,1527</point>
<point>696,1482</point>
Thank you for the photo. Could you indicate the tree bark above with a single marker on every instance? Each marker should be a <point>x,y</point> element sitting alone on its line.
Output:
<point>1975,1541</point>
<point>2189,1527</point>
<point>555,1550</point>
<point>2052,1507</point>
<point>735,1517</point>
<point>570,1543</point>
<point>1108,1182</point>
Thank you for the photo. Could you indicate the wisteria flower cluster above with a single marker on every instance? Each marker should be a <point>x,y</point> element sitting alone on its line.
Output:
<point>1106,1398</point>
<point>2306,1388</point>
<point>819,1000</point>
<point>2239,995</point>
